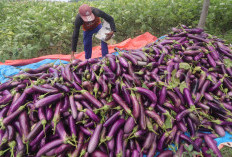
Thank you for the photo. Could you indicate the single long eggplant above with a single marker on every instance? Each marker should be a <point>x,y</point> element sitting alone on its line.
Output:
<point>94,140</point>
<point>119,143</point>
<point>44,90</point>
<point>174,98</point>
<point>123,62</point>
<point>73,106</point>
<point>136,108</point>
<point>117,125</point>
<point>91,98</point>
<point>188,97</point>
<point>77,151</point>
<point>147,92</point>
<point>24,124</point>
<point>12,116</point>
<point>6,99</point>
<point>98,153</point>
<point>48,100</point>
<point>112,119</point>
<point>166,153</point>
<point>156,117</point>
<point>48,147</point>
<point>20,101</point>
<point>129,125</point>
<point>39,136</point>
<point>122,103</point>
<point>92,115</point>
<point>212,145</point>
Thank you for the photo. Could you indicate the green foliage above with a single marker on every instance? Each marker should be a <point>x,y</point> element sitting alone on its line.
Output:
<point>228,63</point>
<point>226,151</point>
<point>219,19</point>
<point>31,29</point>
<point>189,151</point>
<point>185,66</point>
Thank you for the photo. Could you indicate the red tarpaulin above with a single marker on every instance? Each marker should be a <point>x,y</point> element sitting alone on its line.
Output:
<point>135,43</point>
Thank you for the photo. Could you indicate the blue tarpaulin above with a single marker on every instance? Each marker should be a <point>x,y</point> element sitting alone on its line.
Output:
<point>8,70</point>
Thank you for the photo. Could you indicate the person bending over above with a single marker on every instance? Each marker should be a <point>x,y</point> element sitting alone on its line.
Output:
<point>89,18</point>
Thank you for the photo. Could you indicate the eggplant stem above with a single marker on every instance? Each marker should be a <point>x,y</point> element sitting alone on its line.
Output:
<point>44,122</point>
<point>27,147</point>
<point>83,151</point>
<point>55,121</point>
<point>12,145</point>
<point>133,131</point>
<point>74,139</point>
<point>2,152</point>
<point>4,140</point>
<point>68,140</point>
<point>105,108</point>
<point>1,124</point>
<point>81,122</point>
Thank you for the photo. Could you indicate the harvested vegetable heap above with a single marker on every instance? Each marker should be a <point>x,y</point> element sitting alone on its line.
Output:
<point>175,91</point>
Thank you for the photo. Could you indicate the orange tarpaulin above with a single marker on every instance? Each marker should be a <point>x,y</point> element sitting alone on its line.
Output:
<point>137,42</point>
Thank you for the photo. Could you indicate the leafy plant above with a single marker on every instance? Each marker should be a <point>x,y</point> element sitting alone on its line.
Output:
<point>226,151</point>
<point>189,151</point>
<point>34,28</point>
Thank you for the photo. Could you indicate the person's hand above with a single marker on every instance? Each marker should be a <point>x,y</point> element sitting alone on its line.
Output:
<point>72,56</point>
<point>109,35</point>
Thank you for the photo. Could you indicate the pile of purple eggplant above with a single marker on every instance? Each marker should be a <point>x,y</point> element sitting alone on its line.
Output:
<point>172,97</point>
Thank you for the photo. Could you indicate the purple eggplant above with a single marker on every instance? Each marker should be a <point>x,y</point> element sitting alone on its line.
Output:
<point>123,62</point>
<point>219,130</point>
<point>20,100</point>
<point>91,98</point>
<point>40,136</point>
<point>73,106</point>
<point>49,114</point>
<point>44,90</point>
<point>94,140</point>
<point>166,153</point>
<point>116,126</point>
<point>153,147</point>
<point>122,103</point>
<point>12,116</point>
<point>48,100</point>
<point>112,119</point>
<point>24,124</point>
<point>119,143</point>
<point>156,117</point>
<point>92,115</point>
<point>5,99</point>
<point>174,98</point>
<point>212,145</point>
<point>48,147</point>
<point>77,151</point>
<point>188,97</point>
<point>147,92</point>
<point>162,96</point>
<point>34,132</point>
<point>98,153</point>
<point>129,125</point>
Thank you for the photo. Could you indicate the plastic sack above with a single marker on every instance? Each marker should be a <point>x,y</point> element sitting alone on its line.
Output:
<point>101,34</point>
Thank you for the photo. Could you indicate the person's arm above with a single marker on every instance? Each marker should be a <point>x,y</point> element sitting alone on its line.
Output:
<point>107,18</point>
<point>75,36</point>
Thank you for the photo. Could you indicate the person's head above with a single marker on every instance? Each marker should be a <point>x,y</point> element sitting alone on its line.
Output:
<point>86,13</point>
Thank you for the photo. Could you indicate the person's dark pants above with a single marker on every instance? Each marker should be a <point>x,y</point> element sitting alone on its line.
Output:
<point>87,40</point>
